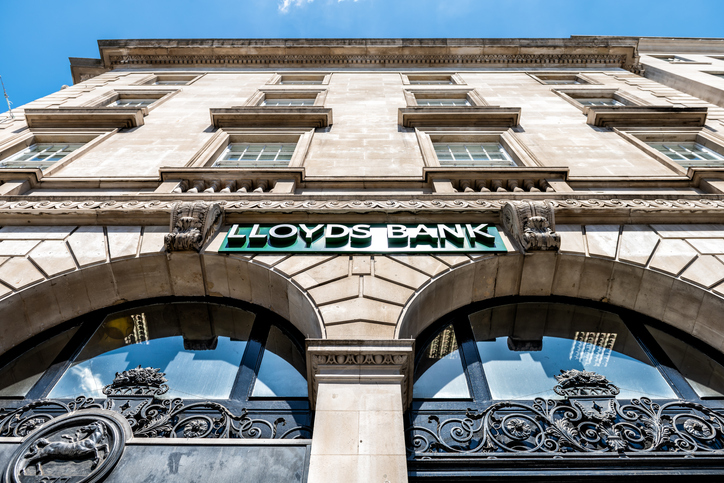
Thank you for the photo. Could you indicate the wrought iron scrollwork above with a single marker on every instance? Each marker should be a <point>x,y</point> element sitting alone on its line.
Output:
<point>134,394</point>
<point>589,420</point>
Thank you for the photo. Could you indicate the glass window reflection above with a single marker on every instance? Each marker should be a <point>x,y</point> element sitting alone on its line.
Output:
<point>439,372</point>
<point>524,346</point>
<point>199,347</point>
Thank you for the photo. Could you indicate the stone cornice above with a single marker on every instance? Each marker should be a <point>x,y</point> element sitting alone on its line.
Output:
<point>578,52</point>
<point>568,210</point>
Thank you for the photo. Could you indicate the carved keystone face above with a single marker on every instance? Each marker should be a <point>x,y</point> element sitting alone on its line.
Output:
<point>81,448</point>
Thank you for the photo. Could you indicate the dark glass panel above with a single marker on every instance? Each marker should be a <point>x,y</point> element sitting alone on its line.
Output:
<point>439,372</point>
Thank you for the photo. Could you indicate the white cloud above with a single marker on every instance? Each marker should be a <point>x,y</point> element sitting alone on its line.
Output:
<point>285,5</point>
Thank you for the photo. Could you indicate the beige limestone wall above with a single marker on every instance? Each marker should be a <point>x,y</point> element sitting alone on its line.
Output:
<point>51,274</point>
<point>365,139</point>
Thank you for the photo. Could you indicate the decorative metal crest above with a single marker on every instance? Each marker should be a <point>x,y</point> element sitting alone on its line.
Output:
<point>139,382</point>
<point>589,420</point>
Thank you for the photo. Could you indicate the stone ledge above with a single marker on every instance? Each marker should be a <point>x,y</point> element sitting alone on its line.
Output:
<point>271,116</point>
<point>473,116</point>
<point>645,116</point>
<point>89,117</point>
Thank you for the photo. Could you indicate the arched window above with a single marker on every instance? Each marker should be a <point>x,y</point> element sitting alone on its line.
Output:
<point>202,354</point>
<point>533,379</point>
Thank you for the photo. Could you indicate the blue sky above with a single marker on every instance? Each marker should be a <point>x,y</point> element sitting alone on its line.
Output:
<point>37,37</point>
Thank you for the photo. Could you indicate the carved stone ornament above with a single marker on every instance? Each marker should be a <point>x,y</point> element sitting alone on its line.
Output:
<point>192,225</point>
<point>141,381</point>
<point>531,224</point>
<point>81,447</point>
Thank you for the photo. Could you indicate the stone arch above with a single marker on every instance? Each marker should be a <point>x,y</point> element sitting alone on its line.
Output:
<point>684,305</point>
<point>45,304</point>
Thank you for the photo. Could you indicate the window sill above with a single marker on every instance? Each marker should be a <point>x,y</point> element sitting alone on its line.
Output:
<point>271,116</point>
<point>473,116</point>
<point>645,116</point>
<point>86,117</point>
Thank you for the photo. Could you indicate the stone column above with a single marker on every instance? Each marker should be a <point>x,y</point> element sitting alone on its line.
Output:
<point>360,390</point>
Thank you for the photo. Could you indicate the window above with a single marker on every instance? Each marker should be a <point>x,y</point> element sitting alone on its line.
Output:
<point>443,102</point>
<point>516,350</point>
<point>431,79</point>
<point>170,79</point>
<point>256,155</point>
<point>549,383</point>
<point>599,101</point>
<point>473,154</point>
<point>689,154</point>
<point>132,102</point>
<point>560,79</point>
<point>674,59</point>
<point>717,74</point>
<point>587,99</point>
<point>40,155</point>
<point>201,347</point>
<point>287,102</point>
<point>300,79</point>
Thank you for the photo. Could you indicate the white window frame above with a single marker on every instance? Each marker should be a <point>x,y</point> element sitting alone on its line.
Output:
<point>545,78</point>
<point>471,95</point>
<point>431,78</point>
<point>641,137</point>
<point>300,79</point>
<point>215,147</point>
<point>498,148</point>
<point>572,95</point>
<point>89,139</point>
<point>187,77</point>
<point>264,148</point>
<point>159,95</point>
<point>518,152</point>
<point>319,96</point>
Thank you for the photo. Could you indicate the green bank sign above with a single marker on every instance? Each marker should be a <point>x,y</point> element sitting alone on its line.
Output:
<point>363,238</point>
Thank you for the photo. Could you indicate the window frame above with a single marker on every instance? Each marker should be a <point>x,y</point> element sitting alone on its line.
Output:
<point>640,137</point>
<point>159,95</point>
<point>240,396</point>
<point>89,138</point>
<point>214,147</point>
<point>319,96</point>
<point>288,78</point>
<point>152,78</point>
<point>581,78</point>
<point>519,153</point>
<point>471,95</point>
<point>571,95</point>
<point>472,366</point>
<point>418,78</point>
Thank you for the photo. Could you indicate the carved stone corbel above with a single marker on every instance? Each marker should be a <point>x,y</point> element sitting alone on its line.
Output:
<point>359,361</point>
<point>531,224</point>
<point>192,225</point>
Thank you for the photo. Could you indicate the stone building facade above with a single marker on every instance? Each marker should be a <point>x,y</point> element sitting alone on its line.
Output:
<point>564,197</point>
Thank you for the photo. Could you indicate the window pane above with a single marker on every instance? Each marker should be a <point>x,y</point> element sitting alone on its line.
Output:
<point>599,101</point>
<point>19,376</point>
<point>689,154</point>
<point>704,374</point>
<point>282,372</point>
<point>524,346</point>
<point>132,102</point>
<point>261,155</point>
<point>40,155</point>
<point>439,373</point>
<point>486,155</point>
<point>198,346</point>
